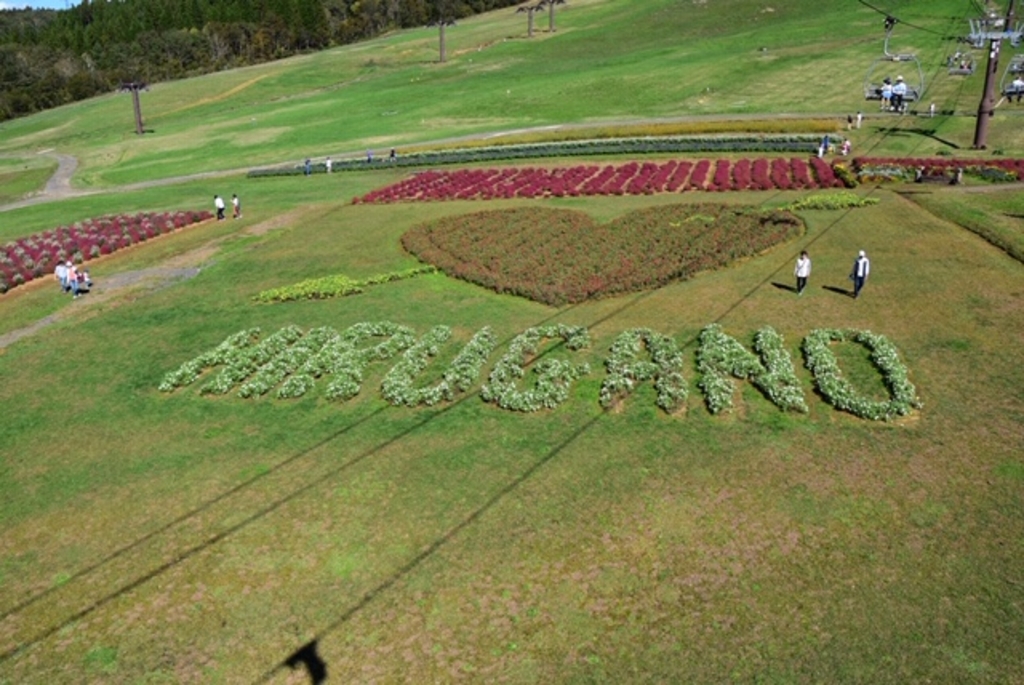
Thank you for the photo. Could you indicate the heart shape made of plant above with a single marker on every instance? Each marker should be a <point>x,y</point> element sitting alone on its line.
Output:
<point>561,256</point>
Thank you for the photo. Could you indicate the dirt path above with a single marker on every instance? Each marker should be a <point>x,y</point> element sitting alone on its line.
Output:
<point>59,187</point>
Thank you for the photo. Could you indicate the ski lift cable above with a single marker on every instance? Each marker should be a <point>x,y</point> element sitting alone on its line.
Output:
<point>888,16</point>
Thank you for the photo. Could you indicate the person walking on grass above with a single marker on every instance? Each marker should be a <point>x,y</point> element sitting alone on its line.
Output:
<point>802,271</point>
<point>236,207</point>
<point>61,274</point>
<point>73,280</point>
<point>218,204</point>
<point>859,274</point>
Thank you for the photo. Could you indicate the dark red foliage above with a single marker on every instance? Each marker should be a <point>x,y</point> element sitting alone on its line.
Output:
<point>559,256</point>
<point>632,178</point>
<point>38,254</point>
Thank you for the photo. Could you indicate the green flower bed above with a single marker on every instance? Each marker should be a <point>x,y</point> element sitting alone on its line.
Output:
<point>842,199</point>
<point>840,393</point>
<point>335,286</point>
<point>721,357</point>
<point>554,376</point>
<point>625,371</point>
<point>397,386</point>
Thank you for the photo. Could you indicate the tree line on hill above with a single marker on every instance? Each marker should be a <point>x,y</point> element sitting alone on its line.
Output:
<point>51,57</point>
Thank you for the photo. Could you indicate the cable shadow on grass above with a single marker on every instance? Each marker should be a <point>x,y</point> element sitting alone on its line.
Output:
<point>440,542</point>
<point>205,506</point>
<point>189,552</point>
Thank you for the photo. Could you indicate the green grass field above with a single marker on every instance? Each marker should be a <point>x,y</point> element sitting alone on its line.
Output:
<point>154,537</point>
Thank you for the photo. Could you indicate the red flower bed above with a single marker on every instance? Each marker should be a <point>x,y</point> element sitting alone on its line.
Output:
<point>38,255</point>
<point>632,178</point>
<point>559,256</point>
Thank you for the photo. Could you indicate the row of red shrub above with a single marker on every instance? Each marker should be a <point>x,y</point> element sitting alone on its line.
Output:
<point>633,178</point>
<point>37,255</point>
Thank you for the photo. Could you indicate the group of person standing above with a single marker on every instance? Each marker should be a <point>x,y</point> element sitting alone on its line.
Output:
<point>71,280</point>
<point>236,207</point>
<point>858,274</point>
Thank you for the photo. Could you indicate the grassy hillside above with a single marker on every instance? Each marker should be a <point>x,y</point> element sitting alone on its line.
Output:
<point>154,537</point>
<point>609,60</point>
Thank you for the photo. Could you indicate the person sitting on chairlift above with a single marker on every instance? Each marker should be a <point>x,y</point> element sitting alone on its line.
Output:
<point>899,92</point>
<point>1016,88</point>
<point>886,94</point>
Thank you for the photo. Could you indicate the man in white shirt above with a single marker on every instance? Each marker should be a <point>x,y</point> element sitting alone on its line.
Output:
<point>899,92</point>
<point>859,274</point>
<point>802,271</point>
<point>61,274</point>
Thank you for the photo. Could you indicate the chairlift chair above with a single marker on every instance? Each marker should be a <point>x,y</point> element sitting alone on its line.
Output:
<point>880,69</point>
<point>1014,70</point>
<point>961,63</point>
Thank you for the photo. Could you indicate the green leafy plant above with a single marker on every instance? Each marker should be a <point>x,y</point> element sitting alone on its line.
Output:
<point>840,393</point>
<point>335,286</point>
<point>625,371</point>
<point>842,199</point>
<point>720,356</point>
<point>554,376</point>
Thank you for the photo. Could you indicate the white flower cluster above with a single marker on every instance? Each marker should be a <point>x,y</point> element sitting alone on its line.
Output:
<point>625,371</point>
<point>289,366</point>
<point>243,362</point>
<point>296,359</point>
<point>190,370</point>
<point>720,356</point>
<point>346,362</point>
<point>397,386</point>
<point>837,390</point>
<point>555,376</point>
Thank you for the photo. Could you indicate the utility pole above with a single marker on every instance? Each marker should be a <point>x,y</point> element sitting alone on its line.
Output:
<point>986,109</point>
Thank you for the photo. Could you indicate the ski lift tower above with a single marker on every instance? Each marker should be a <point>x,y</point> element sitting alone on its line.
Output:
<point>993,30</point>
<point>134,87</point>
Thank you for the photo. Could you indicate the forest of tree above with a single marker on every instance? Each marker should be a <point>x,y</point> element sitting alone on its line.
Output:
<point>52,57</point>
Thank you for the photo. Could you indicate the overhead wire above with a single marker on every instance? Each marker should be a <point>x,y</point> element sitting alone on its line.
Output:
<point>890,15</point>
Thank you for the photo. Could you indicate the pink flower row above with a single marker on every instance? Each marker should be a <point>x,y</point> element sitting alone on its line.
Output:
<point>37,255</point>
<point>633,178</point>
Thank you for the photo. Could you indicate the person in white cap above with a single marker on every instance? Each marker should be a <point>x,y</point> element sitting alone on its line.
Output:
<point>899,93</point>
<point>859,274</point>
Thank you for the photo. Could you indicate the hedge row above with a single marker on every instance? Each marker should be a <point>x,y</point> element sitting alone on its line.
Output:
<point>751,143</point>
